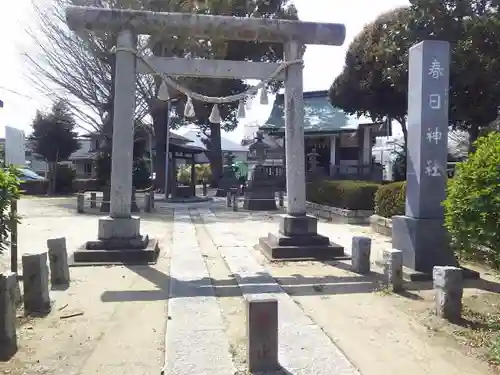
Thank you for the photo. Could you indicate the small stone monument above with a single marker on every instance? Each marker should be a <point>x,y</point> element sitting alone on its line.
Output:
<point>228,180</point>
<point>420,233</point>
<point>260,191</point>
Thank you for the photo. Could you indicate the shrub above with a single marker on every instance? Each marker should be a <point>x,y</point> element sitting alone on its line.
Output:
<point>9,191</point>
<point>472,206</point>
<point>184,175</point>
<point>141,177</point>
<point>351,195</point>
<point>390,199</point>
<point>65,175</point>
<point>203,172</point>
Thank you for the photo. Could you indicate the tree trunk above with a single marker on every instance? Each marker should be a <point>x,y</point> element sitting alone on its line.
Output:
<point>158,113</point>
<point>215,154</point>
<point>473,136</point>
<point>402,122</point>
<point>52,180</point>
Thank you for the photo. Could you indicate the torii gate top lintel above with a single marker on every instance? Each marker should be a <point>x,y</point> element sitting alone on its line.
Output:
<point>205,26</point>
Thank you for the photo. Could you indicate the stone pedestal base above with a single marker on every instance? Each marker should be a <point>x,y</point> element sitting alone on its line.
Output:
<point>298,239</point>
<point>118,228</point>
<point>425,244</point>
<point>260,200</point>
<point>119,242</point>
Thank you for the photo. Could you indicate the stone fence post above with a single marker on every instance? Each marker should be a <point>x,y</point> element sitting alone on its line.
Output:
<point>8,334</point>
<point>36,283</point>
<point>262,335</point>
<point>58,261</point>
<point>448,289</point>
<point>360,252</point>
<point>393,269</point>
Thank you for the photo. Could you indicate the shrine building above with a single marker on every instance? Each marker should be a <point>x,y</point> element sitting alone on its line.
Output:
<point>343,143</point>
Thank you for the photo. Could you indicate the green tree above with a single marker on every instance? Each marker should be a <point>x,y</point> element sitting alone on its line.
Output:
<point>364,88</point>
<point>375,79</point>
<point>54,138</point>
<point>472,206</point>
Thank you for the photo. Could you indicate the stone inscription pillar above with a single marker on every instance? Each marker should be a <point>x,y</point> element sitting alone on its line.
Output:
<point>420,233</point>
<point>123,128</point>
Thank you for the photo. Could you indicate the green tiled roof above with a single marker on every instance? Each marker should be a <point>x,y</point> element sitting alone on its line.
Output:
<point>319,115</point>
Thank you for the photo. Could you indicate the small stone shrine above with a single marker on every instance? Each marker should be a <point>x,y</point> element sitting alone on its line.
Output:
<point>313,170</point>
<point>420,233</point>
<point>229,179</point>
<point>259,195</point>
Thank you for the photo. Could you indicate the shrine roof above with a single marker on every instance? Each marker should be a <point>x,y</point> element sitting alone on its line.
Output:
<point>186,148</point>
<point>320,117</point>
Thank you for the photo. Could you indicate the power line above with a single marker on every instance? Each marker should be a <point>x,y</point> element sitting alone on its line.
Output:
<point>15,92</point>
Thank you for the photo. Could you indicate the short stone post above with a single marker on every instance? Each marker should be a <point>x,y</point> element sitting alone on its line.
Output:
<point>448,289</point>
<point>147,202</point>
<point>93,200</point>
<point>8,335</point>
<point>281,199</point>
<point>228,198</point>
<point>80,203</point>
<point>361,249</point>
<point>234,200</point>
<point>58,261</point>
<point>36,283</point>
<point>393,269</point>
<point>152,197</point>
<point>262,335</point>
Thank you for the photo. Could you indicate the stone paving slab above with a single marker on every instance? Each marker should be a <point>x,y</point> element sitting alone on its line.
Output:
<point>304,349</point>
<point>196,341</point>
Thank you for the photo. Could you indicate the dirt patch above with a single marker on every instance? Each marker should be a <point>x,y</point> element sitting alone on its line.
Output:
<point>479,331</point>
<point>90,330</point>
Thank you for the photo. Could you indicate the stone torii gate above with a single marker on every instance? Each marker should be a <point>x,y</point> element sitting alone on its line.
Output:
<point>298,235</point>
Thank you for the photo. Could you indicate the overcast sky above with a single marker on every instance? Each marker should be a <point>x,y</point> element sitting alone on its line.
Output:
<point>322,64</point>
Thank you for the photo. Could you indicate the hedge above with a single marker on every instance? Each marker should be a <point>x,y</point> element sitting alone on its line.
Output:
<point>40,187</point>
<point>390,199</point>
<point>351,195</point>
<point>472,206</point>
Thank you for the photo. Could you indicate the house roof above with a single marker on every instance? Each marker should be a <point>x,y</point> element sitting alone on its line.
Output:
<point>226,144</point>
<point>319,115</point>
<point>83,152</point>
<point>171,135</point>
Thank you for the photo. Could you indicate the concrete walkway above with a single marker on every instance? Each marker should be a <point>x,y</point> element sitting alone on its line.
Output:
<point>303,346</point>
<point>196,341</point>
